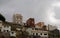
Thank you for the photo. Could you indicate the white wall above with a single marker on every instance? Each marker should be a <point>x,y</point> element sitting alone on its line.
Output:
<point>6,28</point>
<point>13,34</point>
<point>39,33</point>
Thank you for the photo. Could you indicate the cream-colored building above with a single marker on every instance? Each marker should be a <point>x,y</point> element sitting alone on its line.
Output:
<point>39,32</point>
<point>17,18</point>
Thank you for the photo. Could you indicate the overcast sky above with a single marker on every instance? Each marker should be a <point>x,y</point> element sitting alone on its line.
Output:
<point>47,11</point>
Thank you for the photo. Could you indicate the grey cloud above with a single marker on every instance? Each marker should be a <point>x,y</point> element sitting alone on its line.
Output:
<point>28,8</point>
<point>57,11</point>
<point>2,2</point>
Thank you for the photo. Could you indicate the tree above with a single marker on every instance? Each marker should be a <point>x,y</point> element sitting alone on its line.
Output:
<point>2,18</point>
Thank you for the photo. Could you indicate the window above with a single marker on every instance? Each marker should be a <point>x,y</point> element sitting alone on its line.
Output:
<point>45,34</point>
<point>32,28</point>
<point>12,32</point>
<point>40,33</point>
<point>7,30</point>
<point>17,17</point>
<point>37,34</point>
<point>36,28</point>
<point>4,30</point>
<point>33,33</point>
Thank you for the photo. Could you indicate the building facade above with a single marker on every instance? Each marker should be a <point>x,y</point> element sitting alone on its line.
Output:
<point>39,33</point>
<point>30,22</point>
<point>40,24</point>
<point>17,18</point>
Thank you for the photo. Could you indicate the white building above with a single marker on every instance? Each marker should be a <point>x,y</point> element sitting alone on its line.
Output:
<point>17,18</point>
<point>6,28</point>
<point>39,32</point>
<point>13,33</point>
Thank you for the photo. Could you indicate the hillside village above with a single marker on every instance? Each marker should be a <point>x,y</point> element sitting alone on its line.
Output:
<point>18,29</point>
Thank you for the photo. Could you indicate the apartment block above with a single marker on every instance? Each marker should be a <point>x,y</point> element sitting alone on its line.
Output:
<point>30,22</point>
<point>17,18</point>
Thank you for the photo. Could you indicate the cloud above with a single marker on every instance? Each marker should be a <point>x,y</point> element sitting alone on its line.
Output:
<point>28,8</point>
